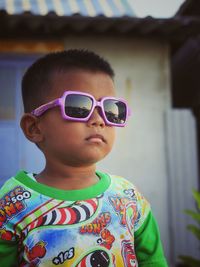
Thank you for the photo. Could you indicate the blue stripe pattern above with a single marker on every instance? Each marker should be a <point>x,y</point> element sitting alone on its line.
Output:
<point>114,9</point>
<point>17,7</point>
<point>34,7</point>
<point>82,8</point>
<point>128,8</point>
<point>66,8</point>
<point>50,6</point>
<point>2,4</point>
<point>97,7</point>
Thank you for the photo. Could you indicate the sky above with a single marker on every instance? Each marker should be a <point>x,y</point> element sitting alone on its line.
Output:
<point>157,8</point>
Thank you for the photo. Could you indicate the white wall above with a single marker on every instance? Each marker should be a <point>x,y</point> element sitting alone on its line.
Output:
<point>142,77</point>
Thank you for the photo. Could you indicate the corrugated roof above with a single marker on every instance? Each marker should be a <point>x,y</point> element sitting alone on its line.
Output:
<point>88,8</point>
<point>47,18</point>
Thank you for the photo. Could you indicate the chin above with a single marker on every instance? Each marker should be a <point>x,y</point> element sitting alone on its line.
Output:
<point>90,160</point>
<point>86,157</point>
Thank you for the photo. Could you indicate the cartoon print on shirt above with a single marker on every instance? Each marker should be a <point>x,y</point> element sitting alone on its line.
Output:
<point>95,258</point>
<point>63,256</point>
<point>59,215</point>
<point>78,233</point>
<point>132,217</point>
<point>130,193</point>
<point>97,225</point>
<point>6,235</point>
<point>128,254</point>
<point>119,205</point>
<point>34,254</point>
<point>106,239</point>
<point>13,203</point>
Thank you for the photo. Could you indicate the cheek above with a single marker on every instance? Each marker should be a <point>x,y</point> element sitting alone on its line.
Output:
<point>111,138</point>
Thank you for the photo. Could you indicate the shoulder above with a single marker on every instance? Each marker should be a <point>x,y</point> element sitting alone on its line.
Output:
<point>136,204</point>
<point>14,181</point>
<point>123,184</point>
<point>10,207</point>
<point>12,194</point>
<point>8,186</point>
<point>123,187</point>
<point>119,180</point>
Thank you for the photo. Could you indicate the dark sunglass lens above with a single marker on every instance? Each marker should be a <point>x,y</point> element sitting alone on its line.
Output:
<point>115,111</point>
<point>77,106</point>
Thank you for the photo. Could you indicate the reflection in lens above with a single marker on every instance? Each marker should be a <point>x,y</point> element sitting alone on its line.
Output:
<point>77,106</point>
<point>115,111</point>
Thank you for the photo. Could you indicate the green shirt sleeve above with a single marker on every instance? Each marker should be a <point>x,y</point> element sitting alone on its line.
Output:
<point>148,245</point>
<point>8,253</point>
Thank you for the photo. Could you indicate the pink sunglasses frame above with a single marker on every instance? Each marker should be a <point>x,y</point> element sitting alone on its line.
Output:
<point>61,102</point>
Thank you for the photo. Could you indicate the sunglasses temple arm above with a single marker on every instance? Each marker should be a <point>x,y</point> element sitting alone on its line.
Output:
<point>129,112</point>
<point>40,110</point>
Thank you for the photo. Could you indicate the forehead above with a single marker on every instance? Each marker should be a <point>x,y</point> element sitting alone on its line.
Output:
<point>98,84</point>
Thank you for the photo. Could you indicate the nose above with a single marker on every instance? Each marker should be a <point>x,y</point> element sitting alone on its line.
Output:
<point>96,118</point>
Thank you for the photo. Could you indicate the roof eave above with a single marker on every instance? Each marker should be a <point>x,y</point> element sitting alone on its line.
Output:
<point>29,25</point>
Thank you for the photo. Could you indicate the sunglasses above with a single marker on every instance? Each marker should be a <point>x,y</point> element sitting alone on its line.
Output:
<point>79,106</point>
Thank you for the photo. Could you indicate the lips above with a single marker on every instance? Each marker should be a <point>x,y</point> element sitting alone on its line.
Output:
<point>96,138</point>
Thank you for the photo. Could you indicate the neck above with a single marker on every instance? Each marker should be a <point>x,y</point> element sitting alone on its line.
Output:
<point>68,177</point>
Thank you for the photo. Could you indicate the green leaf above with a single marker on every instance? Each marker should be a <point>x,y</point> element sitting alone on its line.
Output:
<point>196,196</point>
<point>194,215</point>
<point>195,230</point>
<point>190,262</point>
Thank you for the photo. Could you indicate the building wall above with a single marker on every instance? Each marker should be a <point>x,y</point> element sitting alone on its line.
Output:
<point>142,77</point>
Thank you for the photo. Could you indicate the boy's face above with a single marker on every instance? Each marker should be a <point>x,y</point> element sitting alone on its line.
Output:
<point>77,143</point>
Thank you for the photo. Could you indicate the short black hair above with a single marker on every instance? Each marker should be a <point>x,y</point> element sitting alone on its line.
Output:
<point>36,82</point>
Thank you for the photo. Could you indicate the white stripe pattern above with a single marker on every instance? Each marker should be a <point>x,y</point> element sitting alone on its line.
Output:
<point>10,6</point>
<point>26,5</point>
<point>35,224</point>
<point>82,213</point>
<point>90,207</point>
<point>58,7</point>
<point>31,218</point>
<point>68,216</point>
<point>89,260</point>
<point>58,216</point>
<point>42,7</point>
<point>106,8</point>
<point>90,8</point>
<point>120,7</point>
<point>48,218</point>
<point>44,208</point>
<point>74,6</point>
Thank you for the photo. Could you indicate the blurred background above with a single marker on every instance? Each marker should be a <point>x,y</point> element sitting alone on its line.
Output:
<point>154,48</point>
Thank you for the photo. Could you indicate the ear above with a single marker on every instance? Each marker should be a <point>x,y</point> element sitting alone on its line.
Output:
<point>31,129</point>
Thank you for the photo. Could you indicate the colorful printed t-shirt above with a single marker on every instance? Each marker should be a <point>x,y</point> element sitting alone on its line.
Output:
<point>107,224</point>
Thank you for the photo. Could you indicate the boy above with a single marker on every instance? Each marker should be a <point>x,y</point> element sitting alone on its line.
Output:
<point>70,214</point>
